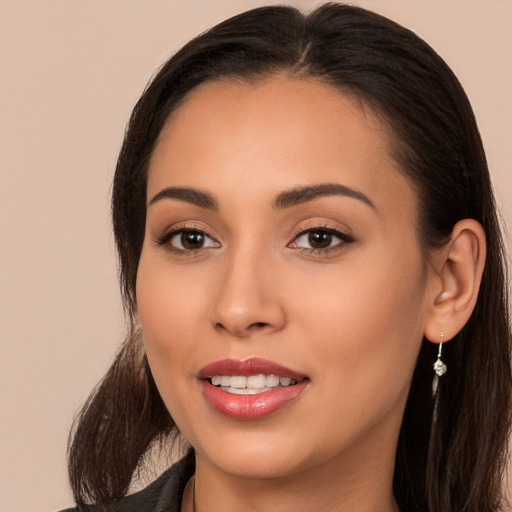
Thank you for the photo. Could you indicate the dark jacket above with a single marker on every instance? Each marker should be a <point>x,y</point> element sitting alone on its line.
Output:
<point>163,495</point>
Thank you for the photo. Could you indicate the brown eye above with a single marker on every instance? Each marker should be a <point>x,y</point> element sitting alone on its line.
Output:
<point>319,239</point>
<point>187,240</point>
<point>191,240</point>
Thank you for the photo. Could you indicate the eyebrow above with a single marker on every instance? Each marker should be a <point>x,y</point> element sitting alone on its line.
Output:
<point>189,195</point>
<point>301,195</point>
<point>285,199</point>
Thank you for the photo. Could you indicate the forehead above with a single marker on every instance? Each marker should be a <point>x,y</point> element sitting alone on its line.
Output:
<point>275,133</point>
<point>280,109</point>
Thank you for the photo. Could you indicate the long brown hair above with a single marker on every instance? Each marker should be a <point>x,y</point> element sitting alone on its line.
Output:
<point>451,463</point>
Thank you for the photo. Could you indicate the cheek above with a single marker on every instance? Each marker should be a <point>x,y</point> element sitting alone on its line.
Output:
<point>166,299</point>
<point>167,321</point>
<point>164,310</point>
<point>368,324</point>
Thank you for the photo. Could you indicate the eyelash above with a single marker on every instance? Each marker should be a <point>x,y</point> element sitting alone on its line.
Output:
<point>165,241</point>
<point>344,238</point>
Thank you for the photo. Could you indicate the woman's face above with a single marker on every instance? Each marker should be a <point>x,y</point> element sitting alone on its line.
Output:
<point>281,240</point>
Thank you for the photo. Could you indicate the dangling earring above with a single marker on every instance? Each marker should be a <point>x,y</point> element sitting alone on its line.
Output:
<point>439,366</point>
<point>439,369</point>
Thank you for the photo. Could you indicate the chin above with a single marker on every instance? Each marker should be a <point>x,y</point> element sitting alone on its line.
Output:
<point>264,456</point>
<point>256,466</point>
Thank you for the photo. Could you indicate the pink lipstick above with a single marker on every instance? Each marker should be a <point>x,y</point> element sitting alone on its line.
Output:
<point>250,389</point>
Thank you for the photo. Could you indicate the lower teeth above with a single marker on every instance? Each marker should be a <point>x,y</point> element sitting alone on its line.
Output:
<point>249,391</point>
<point>245,391</point>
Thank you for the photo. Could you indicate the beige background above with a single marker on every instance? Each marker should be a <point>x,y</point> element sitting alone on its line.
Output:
<point>70,72</point>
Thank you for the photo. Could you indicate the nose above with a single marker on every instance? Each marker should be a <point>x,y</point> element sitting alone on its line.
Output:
<point>248,299</point>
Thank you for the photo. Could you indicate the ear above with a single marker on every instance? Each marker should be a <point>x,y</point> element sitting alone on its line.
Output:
<point>454,280</point>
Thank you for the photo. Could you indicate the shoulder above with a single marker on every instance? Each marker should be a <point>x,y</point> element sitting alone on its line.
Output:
<point>163,495</point>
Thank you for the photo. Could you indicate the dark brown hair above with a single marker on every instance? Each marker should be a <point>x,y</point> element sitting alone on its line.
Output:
<point>451,463</point>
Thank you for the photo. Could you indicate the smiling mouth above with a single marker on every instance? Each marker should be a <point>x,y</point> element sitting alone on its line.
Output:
<point>250,389</point>
<point>250,385</point>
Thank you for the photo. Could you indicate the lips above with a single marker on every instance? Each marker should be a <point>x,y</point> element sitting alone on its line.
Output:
<point>250,389</point>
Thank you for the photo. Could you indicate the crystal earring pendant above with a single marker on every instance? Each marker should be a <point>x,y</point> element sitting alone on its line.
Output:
<point>439,366</point>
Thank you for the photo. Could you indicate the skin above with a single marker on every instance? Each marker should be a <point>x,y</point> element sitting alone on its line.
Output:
<point>351,318</point>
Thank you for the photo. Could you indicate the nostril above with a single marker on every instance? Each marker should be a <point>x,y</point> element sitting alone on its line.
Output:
<point>259,326</point>
<point>244,331</point>
<point>246,321</point>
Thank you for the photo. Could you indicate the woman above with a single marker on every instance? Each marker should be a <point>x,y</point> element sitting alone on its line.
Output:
<point>314,279</point>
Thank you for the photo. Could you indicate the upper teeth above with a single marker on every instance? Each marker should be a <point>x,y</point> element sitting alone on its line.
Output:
<point>252,382</point>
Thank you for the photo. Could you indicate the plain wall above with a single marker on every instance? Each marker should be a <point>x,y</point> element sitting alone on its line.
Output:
<point>70,72</point>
